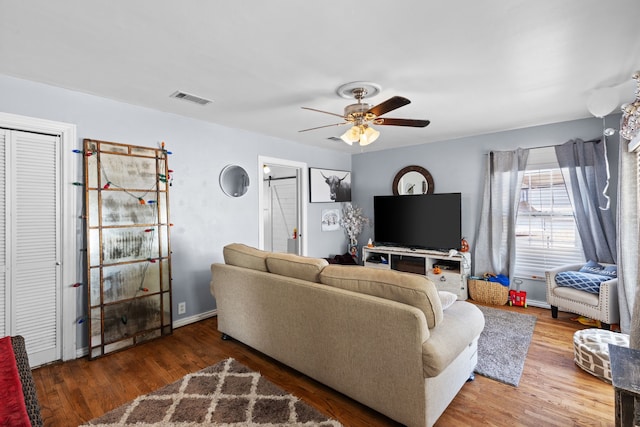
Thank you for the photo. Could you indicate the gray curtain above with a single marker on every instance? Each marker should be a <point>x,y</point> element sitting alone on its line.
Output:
<point>627,237</point>
<point>585,171</point>
<point>495,244</point>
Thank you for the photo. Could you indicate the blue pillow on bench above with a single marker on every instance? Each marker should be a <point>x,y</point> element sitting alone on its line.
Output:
<point>587,282</point>
<point>593,267</point>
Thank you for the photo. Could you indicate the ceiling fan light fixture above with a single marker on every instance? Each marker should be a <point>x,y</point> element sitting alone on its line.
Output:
<point>368,136</point>
<point>351,135</point>
<point>362,134</point>
<point>360,115</point>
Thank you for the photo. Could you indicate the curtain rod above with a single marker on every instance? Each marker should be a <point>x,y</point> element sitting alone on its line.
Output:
<point>596,140</point>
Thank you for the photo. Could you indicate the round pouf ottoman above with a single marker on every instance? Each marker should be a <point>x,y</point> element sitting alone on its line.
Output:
<point>591,350</point>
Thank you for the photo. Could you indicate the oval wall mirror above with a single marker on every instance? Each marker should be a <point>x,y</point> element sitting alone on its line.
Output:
<point>234,180</point>
<point>413,180</point>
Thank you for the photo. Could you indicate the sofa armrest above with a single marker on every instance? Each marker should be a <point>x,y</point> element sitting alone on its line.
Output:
<point>609,289</point>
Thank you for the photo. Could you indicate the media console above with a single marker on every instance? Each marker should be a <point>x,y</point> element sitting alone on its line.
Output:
<point>453,270</point>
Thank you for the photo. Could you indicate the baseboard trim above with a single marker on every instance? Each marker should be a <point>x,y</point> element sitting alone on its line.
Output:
<point>84,351</point>
<point>541,304</point>
<point>193,319</point>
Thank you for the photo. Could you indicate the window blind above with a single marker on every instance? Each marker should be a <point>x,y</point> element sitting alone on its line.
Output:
<point>546,232</point>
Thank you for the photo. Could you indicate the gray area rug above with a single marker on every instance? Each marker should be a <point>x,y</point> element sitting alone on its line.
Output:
<point>503,344</point>
<point>226,394</point>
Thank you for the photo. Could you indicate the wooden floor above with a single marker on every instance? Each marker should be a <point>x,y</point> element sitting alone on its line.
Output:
<point>553,391</point>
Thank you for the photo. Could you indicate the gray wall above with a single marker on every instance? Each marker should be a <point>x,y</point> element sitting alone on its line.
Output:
<point>459,166</point>
<point>204,218</point>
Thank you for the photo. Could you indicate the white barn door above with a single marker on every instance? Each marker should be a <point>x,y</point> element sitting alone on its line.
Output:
<point>285,207</point>
<point>30,242</point>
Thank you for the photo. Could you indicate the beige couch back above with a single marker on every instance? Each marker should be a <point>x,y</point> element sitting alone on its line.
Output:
<point>411,289</point>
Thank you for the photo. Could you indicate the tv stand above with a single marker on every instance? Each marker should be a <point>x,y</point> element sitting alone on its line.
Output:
<point>454,269</point>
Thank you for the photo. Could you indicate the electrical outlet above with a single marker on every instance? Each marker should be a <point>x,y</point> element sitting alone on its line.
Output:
<point>182,308</point>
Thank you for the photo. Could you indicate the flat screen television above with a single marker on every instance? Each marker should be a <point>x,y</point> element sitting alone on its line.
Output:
<point>425,221</point>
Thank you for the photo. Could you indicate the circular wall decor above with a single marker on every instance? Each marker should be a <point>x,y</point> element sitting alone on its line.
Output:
<point>234,181</point>
<point>413,180</point>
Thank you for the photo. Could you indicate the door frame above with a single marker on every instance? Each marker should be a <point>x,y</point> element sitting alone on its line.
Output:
<point>303,194</point>
<point>71,227</point>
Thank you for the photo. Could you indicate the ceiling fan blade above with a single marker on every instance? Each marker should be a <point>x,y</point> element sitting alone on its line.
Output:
<point>402,122</point>
<point>325,126</point>
<point>320,111</point>
<point>388,105</point>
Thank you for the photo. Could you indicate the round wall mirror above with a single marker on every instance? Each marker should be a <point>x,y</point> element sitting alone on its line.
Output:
<point>234,181</point>
<point>413,180</point>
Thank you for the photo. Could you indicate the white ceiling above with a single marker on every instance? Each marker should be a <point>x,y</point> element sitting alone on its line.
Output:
<point>469,66</point>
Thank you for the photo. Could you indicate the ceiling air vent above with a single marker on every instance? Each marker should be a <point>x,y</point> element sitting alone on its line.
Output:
<point>191,98</point>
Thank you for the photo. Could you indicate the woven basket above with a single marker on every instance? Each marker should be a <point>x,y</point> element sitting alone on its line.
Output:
<point>488,292</point>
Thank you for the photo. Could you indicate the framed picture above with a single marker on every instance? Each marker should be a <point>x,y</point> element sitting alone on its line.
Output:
<point>326,185</point>
<point>353,250</point>
<point>330,219</point>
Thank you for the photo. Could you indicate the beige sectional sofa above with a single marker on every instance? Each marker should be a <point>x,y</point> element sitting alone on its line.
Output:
<point>380,337</point>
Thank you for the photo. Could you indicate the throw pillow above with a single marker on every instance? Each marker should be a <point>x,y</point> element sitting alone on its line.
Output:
<point>593,267</point>
<point>447,299</point>
<point>610,271</point>
<point>587,282</point>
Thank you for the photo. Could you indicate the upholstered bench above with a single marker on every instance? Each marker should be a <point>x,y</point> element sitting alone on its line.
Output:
<point>591,350</point>
<point>599,303</point>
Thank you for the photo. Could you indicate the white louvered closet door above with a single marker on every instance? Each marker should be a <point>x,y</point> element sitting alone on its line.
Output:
<point>32,211</point>
<point>4,313</point>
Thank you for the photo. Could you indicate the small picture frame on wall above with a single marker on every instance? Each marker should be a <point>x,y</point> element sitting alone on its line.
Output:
<point>328,185</point>
<point>330,219</point>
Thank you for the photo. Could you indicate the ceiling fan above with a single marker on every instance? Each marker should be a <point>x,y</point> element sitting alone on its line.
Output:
<point>362,115</point>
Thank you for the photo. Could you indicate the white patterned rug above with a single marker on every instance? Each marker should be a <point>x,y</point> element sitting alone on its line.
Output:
<point>225,394</point>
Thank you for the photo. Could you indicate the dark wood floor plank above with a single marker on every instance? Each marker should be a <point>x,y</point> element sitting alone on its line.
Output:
<point>553,391</point>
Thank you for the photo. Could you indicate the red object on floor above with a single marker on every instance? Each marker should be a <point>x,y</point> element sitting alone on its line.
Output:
<point>13,411</point>
<point>518,298</point>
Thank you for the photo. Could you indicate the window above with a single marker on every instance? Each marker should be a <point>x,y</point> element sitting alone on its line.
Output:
<point>546,232</point>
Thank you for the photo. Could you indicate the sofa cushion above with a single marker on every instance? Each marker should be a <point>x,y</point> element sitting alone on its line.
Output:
<point>447,299</point>
<point>407,288</point>
<point>587,282</point>
<point>577,296</point>
<point>245,256</point>
<point>296,266</point>
<point>462,323</point>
